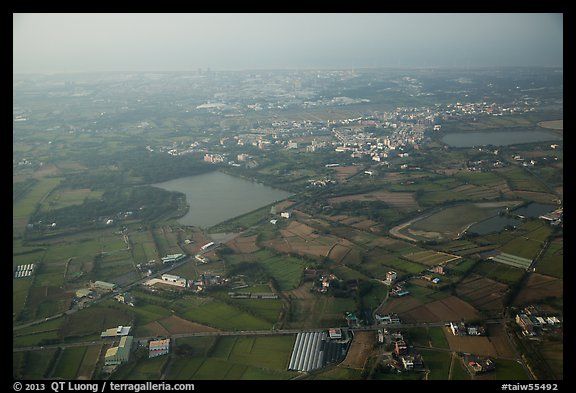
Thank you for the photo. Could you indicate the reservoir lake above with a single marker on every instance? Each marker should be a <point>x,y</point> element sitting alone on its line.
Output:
<point>216,197</point>
<point>501,138</point>
<point>498,223</point>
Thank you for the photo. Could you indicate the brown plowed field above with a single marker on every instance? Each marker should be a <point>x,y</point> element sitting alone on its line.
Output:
<point>542,197</point>
<point>394,199</point>
<point>365,224</point>
<point>419,314</point>
<point>400,305</point>
<point>298,229</point>
<point>449,309</point>
<point>175,325</point>
<point>477,345</point>
<point>300,238</point>
<point>501,343</point>
<point>538,287</point>
<point>155,329</point>
<point>244,245</point>
<point>483,293</point>
<point>360,349</point>
<point>338,252</point>
<point>344,172</point>
<point>452,308</point>
<point>284,205</point>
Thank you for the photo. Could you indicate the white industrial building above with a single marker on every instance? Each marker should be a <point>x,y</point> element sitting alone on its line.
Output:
<point>174,280</point>
<point>172,258</point>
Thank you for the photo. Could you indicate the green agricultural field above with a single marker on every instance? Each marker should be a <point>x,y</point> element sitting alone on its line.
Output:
<point>94,320</point>
<point>143,369</point>
<point>223,347</point>
<point>266,309</point>
<point>88,365</point>
<point>452,220</point>
<point>220,315</point>
<point>479,178</point>
<point>426,295</point>
<point>148,313</point>
<point>520,179</point>
<point>459,372</point>
<point>184,368</point>
<point>347,273</point>
<point>18,364</point>
<point>160,241</point>
<point>339,373</point>
<point>462,266</point>
<point>374,297</point>
<point>237,358</point>
<point>552,261</point>
<point>213,369</point>
<point>529,240</point>
<point>26,205</point>
<point>402,265</point>
<point>509,370</point>
<point>438,337</point>
<point>430,257</point>
<point>32,364</point>
<point>47,326</point>
<point>286,270</point>
<point>113,265</point>
<point>26,255</point>
<point>433,198</point>
<point>379,261</point>
<point>437,362</point>
<point>20,288</point>
<point>458,245</point>
<point>418,336</point>
<point>187,271</point>
<point>144,246</point>
<point>60,198</point>
<point>244,221</point>
<point>337,305</point>
<point>31,340</point>
<point>500,272</point>
<point>263,352</point>
<point>394,376</point>
<point>69,362</point>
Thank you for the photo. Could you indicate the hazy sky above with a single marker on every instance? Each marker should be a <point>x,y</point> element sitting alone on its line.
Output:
<point>68,42</point>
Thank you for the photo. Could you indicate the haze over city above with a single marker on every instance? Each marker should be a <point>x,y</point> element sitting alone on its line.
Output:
<point>94,42</point>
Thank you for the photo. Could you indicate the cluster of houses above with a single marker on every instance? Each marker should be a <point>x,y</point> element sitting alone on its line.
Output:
<point>428,277</point>
<point>205,280</point>
<point>463,329</point>
<point>533,321</point>
<point>478,365</point>
<point>325,281</point>
<point>387,319</point>
<point>352,320</point>
<point>391,276</point>
<point>125,298</point>
<point>399,290</point>
<point>404,358</point>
